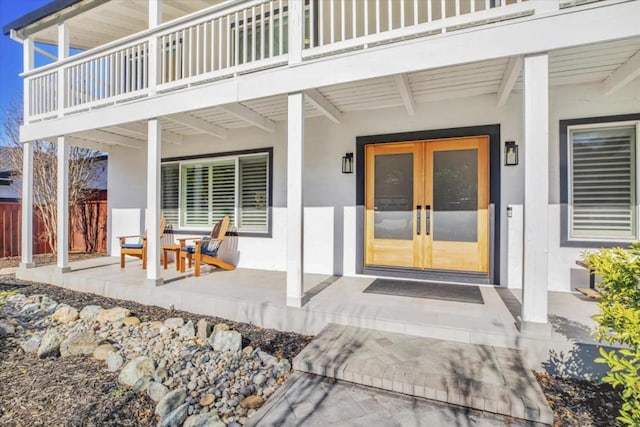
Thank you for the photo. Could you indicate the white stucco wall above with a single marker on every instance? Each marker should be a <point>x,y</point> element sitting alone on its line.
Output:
<point>330,213</point>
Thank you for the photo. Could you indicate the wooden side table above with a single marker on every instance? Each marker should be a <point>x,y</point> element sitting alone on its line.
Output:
<point>171,248</point>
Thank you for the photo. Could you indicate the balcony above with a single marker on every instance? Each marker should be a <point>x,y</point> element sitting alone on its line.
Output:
<point>237,37</point>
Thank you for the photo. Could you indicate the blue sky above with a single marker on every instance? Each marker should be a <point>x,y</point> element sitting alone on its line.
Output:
<point>11,52</point>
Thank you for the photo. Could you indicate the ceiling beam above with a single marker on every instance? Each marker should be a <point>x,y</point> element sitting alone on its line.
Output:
<point>112,138</point>
<point>323,105</point>
<point>200,125</point>
<point>141,129</point>
<point>509,79</point>
<point>91,145</point>
<point>402,82</point>
<point>623,74</point>
<point>248,115</point>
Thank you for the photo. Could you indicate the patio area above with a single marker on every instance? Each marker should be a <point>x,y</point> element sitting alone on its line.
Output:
<point>259,297</point>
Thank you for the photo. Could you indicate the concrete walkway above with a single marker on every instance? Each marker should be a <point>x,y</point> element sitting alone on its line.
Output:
<point>481,377</point>
<point>313,401</point>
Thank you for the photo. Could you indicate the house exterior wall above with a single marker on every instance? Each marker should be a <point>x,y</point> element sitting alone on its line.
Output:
<point>329,195</point>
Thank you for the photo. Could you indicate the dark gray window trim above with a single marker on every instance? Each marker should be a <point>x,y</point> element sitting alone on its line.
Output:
<point>269,152</point>
<point>564,180</point>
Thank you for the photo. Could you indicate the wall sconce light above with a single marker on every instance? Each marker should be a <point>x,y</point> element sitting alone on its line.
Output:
<point>510,153</point>
<point>347,163</point>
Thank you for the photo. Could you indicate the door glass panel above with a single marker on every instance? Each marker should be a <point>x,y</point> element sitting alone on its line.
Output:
<point>455,195</point>
<point>393,197</point>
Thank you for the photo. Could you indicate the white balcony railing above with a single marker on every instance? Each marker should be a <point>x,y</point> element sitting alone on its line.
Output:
<point>239,36</point>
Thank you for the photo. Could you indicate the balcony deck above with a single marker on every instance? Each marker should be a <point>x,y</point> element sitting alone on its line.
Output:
<point>237,37</point>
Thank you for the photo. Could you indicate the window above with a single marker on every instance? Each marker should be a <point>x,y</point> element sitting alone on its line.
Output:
<point>602,181</point>
<point>198,193</point>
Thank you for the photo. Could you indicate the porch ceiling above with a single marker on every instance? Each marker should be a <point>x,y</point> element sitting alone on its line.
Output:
<point>586,64</point>
<point>113,20</point>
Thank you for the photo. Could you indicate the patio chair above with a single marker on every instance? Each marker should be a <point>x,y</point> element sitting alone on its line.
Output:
<point>205,250</point>
<point>138,249</point>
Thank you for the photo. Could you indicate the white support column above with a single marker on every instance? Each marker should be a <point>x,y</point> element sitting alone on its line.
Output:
<point>536,194</point>
<point>63,53</point>
<point>62,235</point>
<point>28,62</point>
<point>295,219</point>
<point>27,206</point>
<point>155,19</point>
<point>153,202</point>
<point>296,31</point>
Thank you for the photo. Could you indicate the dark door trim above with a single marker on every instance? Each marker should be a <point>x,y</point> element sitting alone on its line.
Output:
<point>493,131</point>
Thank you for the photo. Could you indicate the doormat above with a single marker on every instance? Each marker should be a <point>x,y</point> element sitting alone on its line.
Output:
<point>429,290</point>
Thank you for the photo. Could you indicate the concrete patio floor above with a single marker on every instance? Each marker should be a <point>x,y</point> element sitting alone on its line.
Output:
<point>259,297</point>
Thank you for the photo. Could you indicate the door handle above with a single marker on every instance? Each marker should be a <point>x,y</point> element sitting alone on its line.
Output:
<point>418,213</point>
<point>428,219</point>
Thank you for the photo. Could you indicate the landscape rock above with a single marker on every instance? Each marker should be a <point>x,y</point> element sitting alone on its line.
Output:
<point>174,322</point>
<point>170,402</point>
<point>156,391</point>
<point>226,340</point>
<point>156,324</point>
<point>16,299</point>
<point>282,367</point>
<point>142,383</point>
<point>203,329</point>
<point>90,312</point>
<point>188,330</point>
<point>6,329</point>
<point>207,400</point>
<point>102,351</point>
<point>176,417</point>
<point>83,343</point>
<point>30,308</point>
<point>32,344</point>
<point>252,402</point>
<point>130,321</point>
<point>113,315</point>
<point>65,314</point>
<point>50,344</point>
<point>136,369</point>
<point>221,327</point>
<point>209,419</point>
<point>267,359</point>
<point>114,362</point>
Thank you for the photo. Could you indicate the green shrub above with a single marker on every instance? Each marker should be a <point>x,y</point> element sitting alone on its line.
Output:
<point>619,323</point>
<point>4,295</point>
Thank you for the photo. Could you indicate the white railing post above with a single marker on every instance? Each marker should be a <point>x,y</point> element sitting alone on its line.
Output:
<point>296,31</point>
<point>62,241</point>
<point>155,19</point>
<point>63,53</point>
<point>27,206</point>
<point>28,64</point>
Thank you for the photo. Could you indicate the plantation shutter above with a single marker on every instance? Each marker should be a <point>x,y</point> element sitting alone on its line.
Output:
<point>603,183</point>
<point>223,190</point>
<point>196,192</point>
<point>170,195</point>
<point>252,211</point>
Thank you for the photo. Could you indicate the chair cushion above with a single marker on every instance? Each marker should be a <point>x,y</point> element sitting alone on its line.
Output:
<point>210,245</point>
<point>132,246</point>
<point>188,249</point>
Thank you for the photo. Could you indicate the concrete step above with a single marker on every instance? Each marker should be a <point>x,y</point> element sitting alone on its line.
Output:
<point>486,378</point>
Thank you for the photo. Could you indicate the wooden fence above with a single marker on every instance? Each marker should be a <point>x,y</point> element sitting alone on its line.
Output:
<point>87,229</point>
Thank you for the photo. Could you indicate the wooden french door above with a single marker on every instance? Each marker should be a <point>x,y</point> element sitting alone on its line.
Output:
<point>426,204</point>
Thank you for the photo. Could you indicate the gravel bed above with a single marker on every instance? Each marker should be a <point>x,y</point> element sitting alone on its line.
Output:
<point>78,390</point>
